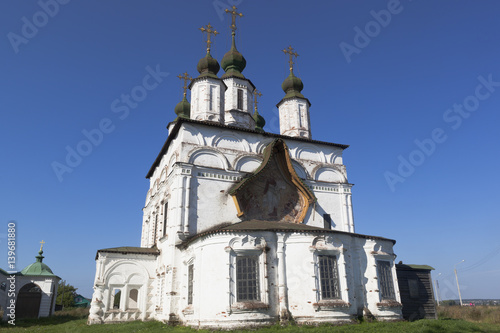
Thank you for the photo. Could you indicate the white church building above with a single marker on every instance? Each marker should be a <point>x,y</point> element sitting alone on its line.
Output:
<point>244,227</point>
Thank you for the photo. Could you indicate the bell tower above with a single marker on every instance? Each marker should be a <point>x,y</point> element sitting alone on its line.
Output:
<point>239,94</point>
<point>207,90</point>
<point>294,107</point>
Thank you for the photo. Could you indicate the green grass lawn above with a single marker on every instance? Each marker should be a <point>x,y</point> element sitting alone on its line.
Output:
<point>71,325</point>
<point>452,319</point>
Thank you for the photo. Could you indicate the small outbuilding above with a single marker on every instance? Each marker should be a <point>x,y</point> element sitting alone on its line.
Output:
<point>417,294</point>
<point>81,301</point>
<point>33,291</point>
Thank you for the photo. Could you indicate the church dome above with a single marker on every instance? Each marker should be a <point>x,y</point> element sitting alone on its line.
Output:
<point>38,267</point>
<point>292,86</point>
<point>233,62</point>
<point>260,122</point>
<point>183,109</point>
<point>208,66</point>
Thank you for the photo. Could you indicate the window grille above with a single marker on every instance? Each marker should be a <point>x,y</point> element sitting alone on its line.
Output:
<point>247,279</point>
<point>385,279</point>
<point>329,277</point>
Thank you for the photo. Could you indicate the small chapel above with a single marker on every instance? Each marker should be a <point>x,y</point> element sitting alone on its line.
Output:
<point>29,293</point>
<point>244,227</point>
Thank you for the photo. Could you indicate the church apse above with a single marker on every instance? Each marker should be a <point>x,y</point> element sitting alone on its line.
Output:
<point>273,192</point>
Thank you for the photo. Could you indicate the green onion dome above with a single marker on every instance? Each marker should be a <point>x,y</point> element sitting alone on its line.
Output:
<point>292,86</point>
<point>208,66</point>
<point>233,62</point>
<point>260,122</point>
<point>183,109</point>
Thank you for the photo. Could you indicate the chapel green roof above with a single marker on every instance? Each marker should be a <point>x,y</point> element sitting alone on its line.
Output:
<point>38,268</point>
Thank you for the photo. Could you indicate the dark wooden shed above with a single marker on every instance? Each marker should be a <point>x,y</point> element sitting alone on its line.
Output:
<point>417,294</point>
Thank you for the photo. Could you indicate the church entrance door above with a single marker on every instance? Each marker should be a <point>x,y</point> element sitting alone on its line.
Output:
<point>28,301</point>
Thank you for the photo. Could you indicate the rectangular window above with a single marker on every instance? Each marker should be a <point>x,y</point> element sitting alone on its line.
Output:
<point>328,277</point>
<point>327,221</point>
<point>301,111</point>
<point>240,99</point>
<point>385,279</point>
<point>413,287</point>
<point>247,279</point>
<point>211,100</point>
<point>155,229</point>
<point>190,284</point>
<point>165,211</point>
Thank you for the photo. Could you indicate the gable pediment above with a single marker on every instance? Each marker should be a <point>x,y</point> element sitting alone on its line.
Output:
<point>273,192</point>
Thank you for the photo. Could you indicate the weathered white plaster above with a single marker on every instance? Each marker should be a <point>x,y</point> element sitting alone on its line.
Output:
<point>294,117</point>
<point>47,285</point>
<point>189,198</point>
<point>239,115</point>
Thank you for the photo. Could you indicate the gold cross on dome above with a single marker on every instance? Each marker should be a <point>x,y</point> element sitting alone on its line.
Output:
<point>41,246</point>
<point>233,14</point>
<point>209,31</point>
<point>290,51</point>
<point>255,94</point>
<point>186,78</point>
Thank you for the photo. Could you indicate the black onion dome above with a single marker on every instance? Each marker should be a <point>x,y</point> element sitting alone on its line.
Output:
<point>292,86</point>
<point>208,66</point>
<point>260,122</point>
<point>233,62</point>
<point>183,109</point>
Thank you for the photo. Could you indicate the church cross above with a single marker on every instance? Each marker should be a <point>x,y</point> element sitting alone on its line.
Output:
<point>291,52</point>
<point>186,78</point>
<point>233,14</point>
<point>41,246</point>
<point>209,31</point>
<point>255,94</point>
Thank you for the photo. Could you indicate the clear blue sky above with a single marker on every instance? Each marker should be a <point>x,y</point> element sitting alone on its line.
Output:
<point>377,92</point>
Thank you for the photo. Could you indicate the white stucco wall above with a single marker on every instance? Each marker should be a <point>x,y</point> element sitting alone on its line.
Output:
<point>188,195</point>
<point>124,272</point>
<point>47,285</point>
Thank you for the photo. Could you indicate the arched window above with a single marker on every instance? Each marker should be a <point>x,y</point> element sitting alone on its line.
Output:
<point>132,298</point>
<point>116,298</point>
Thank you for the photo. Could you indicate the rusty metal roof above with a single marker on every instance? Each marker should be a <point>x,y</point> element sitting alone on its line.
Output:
<point>130,250</point>
<point>257,225</point>
<point>180,121</point>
